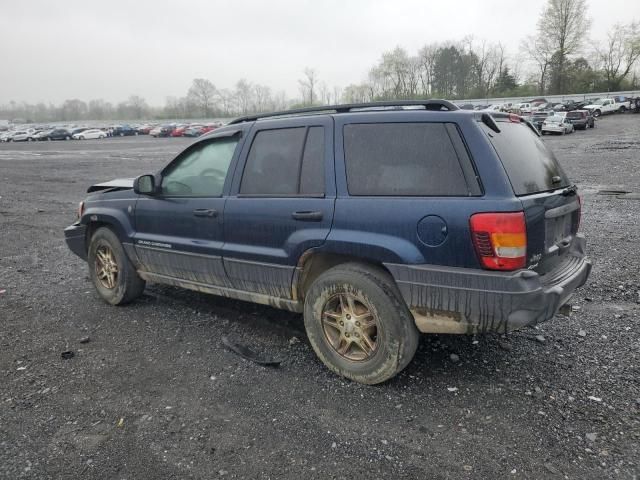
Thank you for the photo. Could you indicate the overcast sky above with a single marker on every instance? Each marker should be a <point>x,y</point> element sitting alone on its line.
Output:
<point>51,51</point>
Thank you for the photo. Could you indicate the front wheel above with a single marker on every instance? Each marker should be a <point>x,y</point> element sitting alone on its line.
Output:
<point>111,271</point>
<point>358,324</point>
<point>67,137</point>
<point>597,113</point>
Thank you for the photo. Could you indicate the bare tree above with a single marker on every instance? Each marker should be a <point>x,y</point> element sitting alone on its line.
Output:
<point>244,95</point>
<point>562,29</point>
<point>202,93</point>
<point>620,52</point>
<point>308,85</point>
<point>541,52</point>
<point>138,106</point>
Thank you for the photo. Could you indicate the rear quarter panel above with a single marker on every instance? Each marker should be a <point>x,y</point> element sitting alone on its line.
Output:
<point>385,229</point>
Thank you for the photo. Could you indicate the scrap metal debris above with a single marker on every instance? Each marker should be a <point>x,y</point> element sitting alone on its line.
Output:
<point>67,355</point>
<point>249,354</point>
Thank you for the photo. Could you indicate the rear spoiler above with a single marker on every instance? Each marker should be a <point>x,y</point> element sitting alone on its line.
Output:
<point>489,119</point>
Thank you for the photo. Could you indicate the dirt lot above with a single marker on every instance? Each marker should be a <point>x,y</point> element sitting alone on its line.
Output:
<point>154,394</point>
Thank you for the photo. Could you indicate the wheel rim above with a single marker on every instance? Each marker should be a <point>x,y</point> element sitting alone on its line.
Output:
<point>350,327</point>
<point>106,267</point>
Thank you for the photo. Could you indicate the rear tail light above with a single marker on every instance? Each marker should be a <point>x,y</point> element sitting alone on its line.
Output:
<point>500,240</point>
<point>80,210</point>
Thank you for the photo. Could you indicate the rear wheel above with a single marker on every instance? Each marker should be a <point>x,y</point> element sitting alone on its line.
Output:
<point>623,109</point>
<point>111,272</point>
<point>358,324</point>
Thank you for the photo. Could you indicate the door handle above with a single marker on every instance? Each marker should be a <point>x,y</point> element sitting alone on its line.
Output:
<point>307,216</point>
<point>205,212</point>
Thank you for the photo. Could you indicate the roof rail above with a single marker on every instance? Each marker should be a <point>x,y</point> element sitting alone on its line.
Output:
<point>350,107</point>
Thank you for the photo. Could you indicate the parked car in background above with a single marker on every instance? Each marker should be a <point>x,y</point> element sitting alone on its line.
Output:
<point>123,131</point>
<point>155,131</point>
<point>58,134</point>
<point>488,242</point>
<point>144,129</point>
<point>580,119</point>
<point>538,118</point>
<point>42,134</point>
<point>6,136</point>
<point>76,130</point>
<point>556,123</point>
<point>179,130</point>
<point>607,105</point>
<point>165,130</point>
<point>193,131</point>
<point>90,134</point>
<point>26,135</point>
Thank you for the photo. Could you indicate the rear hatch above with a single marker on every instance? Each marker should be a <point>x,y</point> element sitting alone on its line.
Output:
<point>576,117</point>
<point>550,202</point>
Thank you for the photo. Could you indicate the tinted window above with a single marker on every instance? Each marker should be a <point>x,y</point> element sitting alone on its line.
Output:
<point>200,171</point>
<point>272,164</point>
<point>416,159</point>
<point>530,165</point>
<point>312,171</point>
<point>276,164</point>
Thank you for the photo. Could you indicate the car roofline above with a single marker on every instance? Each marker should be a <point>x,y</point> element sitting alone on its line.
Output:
<point>433,105</point>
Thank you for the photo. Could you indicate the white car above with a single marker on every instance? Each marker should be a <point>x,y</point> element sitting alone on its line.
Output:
<point>556,124</point>
<point>90,134</point>
<point>607,105</point>
<point>24,135</point>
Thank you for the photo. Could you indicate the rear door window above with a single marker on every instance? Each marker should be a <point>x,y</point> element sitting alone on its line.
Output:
<point>402,159</point>
<point>285,162</point>
<point>530,165</point>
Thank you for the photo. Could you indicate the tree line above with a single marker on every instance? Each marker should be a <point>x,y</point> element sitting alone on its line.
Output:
<point>559,58</point>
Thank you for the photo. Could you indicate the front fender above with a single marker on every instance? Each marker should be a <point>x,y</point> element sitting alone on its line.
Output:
<point>118,219</point>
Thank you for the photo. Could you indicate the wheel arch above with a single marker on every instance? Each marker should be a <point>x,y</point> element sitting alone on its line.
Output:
<point>313,263</point>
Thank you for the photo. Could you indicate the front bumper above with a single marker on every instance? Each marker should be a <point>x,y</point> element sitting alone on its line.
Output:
<point>74,235</point>
<point>469,301</point>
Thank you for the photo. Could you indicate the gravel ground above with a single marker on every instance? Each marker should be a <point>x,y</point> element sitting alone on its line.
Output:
<point>154,394</point>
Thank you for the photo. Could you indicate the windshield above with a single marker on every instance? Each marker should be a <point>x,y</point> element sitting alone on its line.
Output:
<point>530,165</point>
<point>598,102</point>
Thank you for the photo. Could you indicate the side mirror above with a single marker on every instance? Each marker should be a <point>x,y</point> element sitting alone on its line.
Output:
<point>145,185</point>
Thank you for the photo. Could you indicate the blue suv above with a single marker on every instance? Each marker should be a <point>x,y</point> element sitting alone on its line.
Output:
<point>377,221</point>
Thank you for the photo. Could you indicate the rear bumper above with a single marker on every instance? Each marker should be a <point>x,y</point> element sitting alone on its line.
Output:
<point>468,301</point>
<point>74,235</point>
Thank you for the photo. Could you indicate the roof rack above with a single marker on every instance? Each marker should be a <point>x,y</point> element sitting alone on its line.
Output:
<point>350,107</point>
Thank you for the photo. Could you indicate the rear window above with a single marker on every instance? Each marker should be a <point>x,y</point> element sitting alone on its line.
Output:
<point>530,165</point>
<point>574,115</point>
<point>402,159</point>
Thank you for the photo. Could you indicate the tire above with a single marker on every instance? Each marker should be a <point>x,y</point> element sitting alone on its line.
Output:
<point>360,289</point>
<point>29,139</point>
<point>67,137</point>
<point>622,109</point>
<point>136,134</point>
<point>597,113</point>
<point>124,285</point>
<point>121,134</point>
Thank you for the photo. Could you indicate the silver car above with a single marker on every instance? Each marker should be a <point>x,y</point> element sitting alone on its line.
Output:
<point>556,123</point>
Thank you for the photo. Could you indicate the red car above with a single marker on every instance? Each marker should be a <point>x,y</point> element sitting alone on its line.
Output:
<point>179,131</point>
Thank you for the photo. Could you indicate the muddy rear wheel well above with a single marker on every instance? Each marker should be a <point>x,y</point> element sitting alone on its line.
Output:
<point>312,265</point>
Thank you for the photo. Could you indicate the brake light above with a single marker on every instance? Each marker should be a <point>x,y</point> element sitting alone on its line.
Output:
<point>500,240</point>
<point>513,118</point>
<point>80,210</point>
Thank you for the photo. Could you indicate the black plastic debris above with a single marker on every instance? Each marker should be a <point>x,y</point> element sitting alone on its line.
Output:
<point>249,354</point>
<point>67,355</point>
